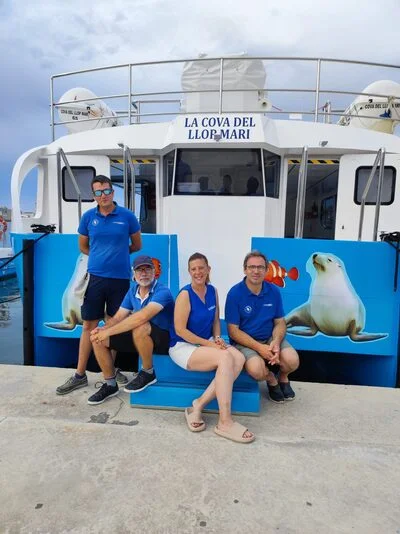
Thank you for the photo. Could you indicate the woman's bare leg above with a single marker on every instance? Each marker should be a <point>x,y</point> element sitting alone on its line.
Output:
<point>228,364</point>
<point>209,394</point>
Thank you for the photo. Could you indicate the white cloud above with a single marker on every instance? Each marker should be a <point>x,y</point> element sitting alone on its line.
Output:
<point>40,39</point>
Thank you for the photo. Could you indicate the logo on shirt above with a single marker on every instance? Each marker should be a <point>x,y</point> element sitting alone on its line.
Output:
<point>248,309</point>
<point>211,308</point>
<point>95,222</point>
<point>269,304</point>
<point>118,222</point>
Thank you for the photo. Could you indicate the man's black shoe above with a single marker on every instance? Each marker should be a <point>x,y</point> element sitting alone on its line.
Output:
<point>141,381</point>
<point>275,393</point>
<point>103,394</point>
<point>287,390</point>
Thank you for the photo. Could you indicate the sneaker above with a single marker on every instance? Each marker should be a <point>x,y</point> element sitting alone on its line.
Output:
<point>103,394</point>
<point>72,383</point>
<point>141,381</point>
<point>287,390</point>
<point>275,393</point>
<point>120,378</point>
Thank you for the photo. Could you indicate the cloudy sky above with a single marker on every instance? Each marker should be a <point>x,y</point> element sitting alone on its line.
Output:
<point>38,39</point>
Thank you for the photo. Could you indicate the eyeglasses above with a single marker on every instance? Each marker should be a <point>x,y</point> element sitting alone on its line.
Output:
<point>146,269</point>
<point>100,192</point>
<point>256,267</point>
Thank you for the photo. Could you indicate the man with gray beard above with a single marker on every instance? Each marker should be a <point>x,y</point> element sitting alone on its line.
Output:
<point>141,326</point>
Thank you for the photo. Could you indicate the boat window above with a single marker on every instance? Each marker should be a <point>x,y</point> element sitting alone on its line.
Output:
<point>388,185</point>
<point>328,212</point>
<point>168,173</point>
<point>272,167</point>
<point>83,177</point>
<point>223,172</point>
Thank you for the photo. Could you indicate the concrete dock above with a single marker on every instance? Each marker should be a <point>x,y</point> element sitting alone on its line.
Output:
<point>327,462</point>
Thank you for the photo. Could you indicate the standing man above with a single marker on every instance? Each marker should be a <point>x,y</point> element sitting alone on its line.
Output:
<point>256,324</point>
<point>108,234</point>
<point>141,326</point>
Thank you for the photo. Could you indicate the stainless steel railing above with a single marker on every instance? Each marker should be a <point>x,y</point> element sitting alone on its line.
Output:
<point>61,156</point>
<point>379,160</point>
<point>129,201</point>
<point>140,98</point>
<point>301,195</point>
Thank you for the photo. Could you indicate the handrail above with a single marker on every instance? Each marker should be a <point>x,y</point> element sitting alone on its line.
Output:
<point>131,96</point>
<point>317,90</point>
<point>74,182</point>
<point>379,193</point>
<point>301,195</point>
<point>379,160</point>
<point>127,159</point>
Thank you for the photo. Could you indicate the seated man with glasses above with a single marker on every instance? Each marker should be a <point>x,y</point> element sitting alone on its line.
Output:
<point>256,326</point>
<point>108,234</point>
<point>141,325</point>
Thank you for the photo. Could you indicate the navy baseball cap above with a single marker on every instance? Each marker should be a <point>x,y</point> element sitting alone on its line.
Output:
<point>142,260</point>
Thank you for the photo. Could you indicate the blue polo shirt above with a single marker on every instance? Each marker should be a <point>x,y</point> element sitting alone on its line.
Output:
<point>109,241</point>
<point>201,317</point>
<point>254,314</point>
<point>158,293</point>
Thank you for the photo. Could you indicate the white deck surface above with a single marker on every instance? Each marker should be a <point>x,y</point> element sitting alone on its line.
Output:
<point>328,462</point>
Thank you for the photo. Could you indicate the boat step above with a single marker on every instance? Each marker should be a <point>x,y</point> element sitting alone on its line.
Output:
<point>178,396</point>
<point>176,389</point>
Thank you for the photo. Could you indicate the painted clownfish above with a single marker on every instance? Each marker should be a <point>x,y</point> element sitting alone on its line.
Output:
<point>276,274</point>
<point>157,267</point>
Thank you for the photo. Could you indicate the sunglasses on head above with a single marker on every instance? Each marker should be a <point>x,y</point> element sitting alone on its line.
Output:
<point>100,192</point>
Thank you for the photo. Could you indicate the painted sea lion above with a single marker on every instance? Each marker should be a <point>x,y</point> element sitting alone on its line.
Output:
<point>334,308</point>
<point>73,296</point>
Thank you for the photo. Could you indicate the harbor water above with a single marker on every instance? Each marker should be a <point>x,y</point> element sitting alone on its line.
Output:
<point>11,344</point>
<point>11,331</point>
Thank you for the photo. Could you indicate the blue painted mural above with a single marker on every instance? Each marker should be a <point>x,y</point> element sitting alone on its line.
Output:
<point>59,280</point>
<point>341,301</point>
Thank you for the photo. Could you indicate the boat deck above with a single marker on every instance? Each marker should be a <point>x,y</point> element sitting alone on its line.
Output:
<point>327,462</point>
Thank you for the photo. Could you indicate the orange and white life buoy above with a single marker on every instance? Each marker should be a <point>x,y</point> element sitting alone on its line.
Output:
<point>3,226</point>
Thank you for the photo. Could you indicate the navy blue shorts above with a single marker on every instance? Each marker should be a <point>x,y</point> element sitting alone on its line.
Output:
<point>103,294</point>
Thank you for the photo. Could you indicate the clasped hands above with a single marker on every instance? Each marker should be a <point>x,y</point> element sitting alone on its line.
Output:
<point>271,352</point>
<point>218,343</point>
<point>98,335</point>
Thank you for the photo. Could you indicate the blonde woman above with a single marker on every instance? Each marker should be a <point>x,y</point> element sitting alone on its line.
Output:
<point>196,345</point>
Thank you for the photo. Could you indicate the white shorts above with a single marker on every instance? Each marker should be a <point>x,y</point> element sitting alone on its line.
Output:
<point>181,352</point>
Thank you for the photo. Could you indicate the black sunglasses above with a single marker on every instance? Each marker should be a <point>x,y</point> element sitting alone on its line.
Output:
<point>100,192</point>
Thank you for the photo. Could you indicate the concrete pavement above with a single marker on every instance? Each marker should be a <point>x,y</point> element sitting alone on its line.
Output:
<point>327,462</point>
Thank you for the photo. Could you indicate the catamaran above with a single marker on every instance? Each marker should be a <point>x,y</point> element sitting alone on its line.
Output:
<point>218,165</point>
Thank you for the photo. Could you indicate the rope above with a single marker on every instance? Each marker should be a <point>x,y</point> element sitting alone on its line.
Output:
<point>36,228</point>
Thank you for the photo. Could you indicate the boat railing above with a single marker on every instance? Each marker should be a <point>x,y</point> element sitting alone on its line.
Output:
<point>137,99</point>
<point>301,195</point>
<point>379,160</point>
<point>129,192</point>
<point>61,156</point>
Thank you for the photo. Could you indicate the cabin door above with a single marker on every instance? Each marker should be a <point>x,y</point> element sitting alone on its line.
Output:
<point>321,197</point>
<point>353,176</point>
<point>142,190</point>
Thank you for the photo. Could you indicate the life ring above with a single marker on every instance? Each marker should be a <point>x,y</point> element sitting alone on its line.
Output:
<point>3,226</point>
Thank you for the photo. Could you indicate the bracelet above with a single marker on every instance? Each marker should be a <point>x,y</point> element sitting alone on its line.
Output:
<point>217,337</point>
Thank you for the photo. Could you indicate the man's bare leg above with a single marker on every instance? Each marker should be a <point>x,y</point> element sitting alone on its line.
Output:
<point>85,346</point>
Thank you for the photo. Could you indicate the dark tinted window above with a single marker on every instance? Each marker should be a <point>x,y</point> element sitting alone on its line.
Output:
<point>168,172</point>
<point>83,177</point>
<point>225,172</point>
<point>388,185</point>
<point>272,168</point>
